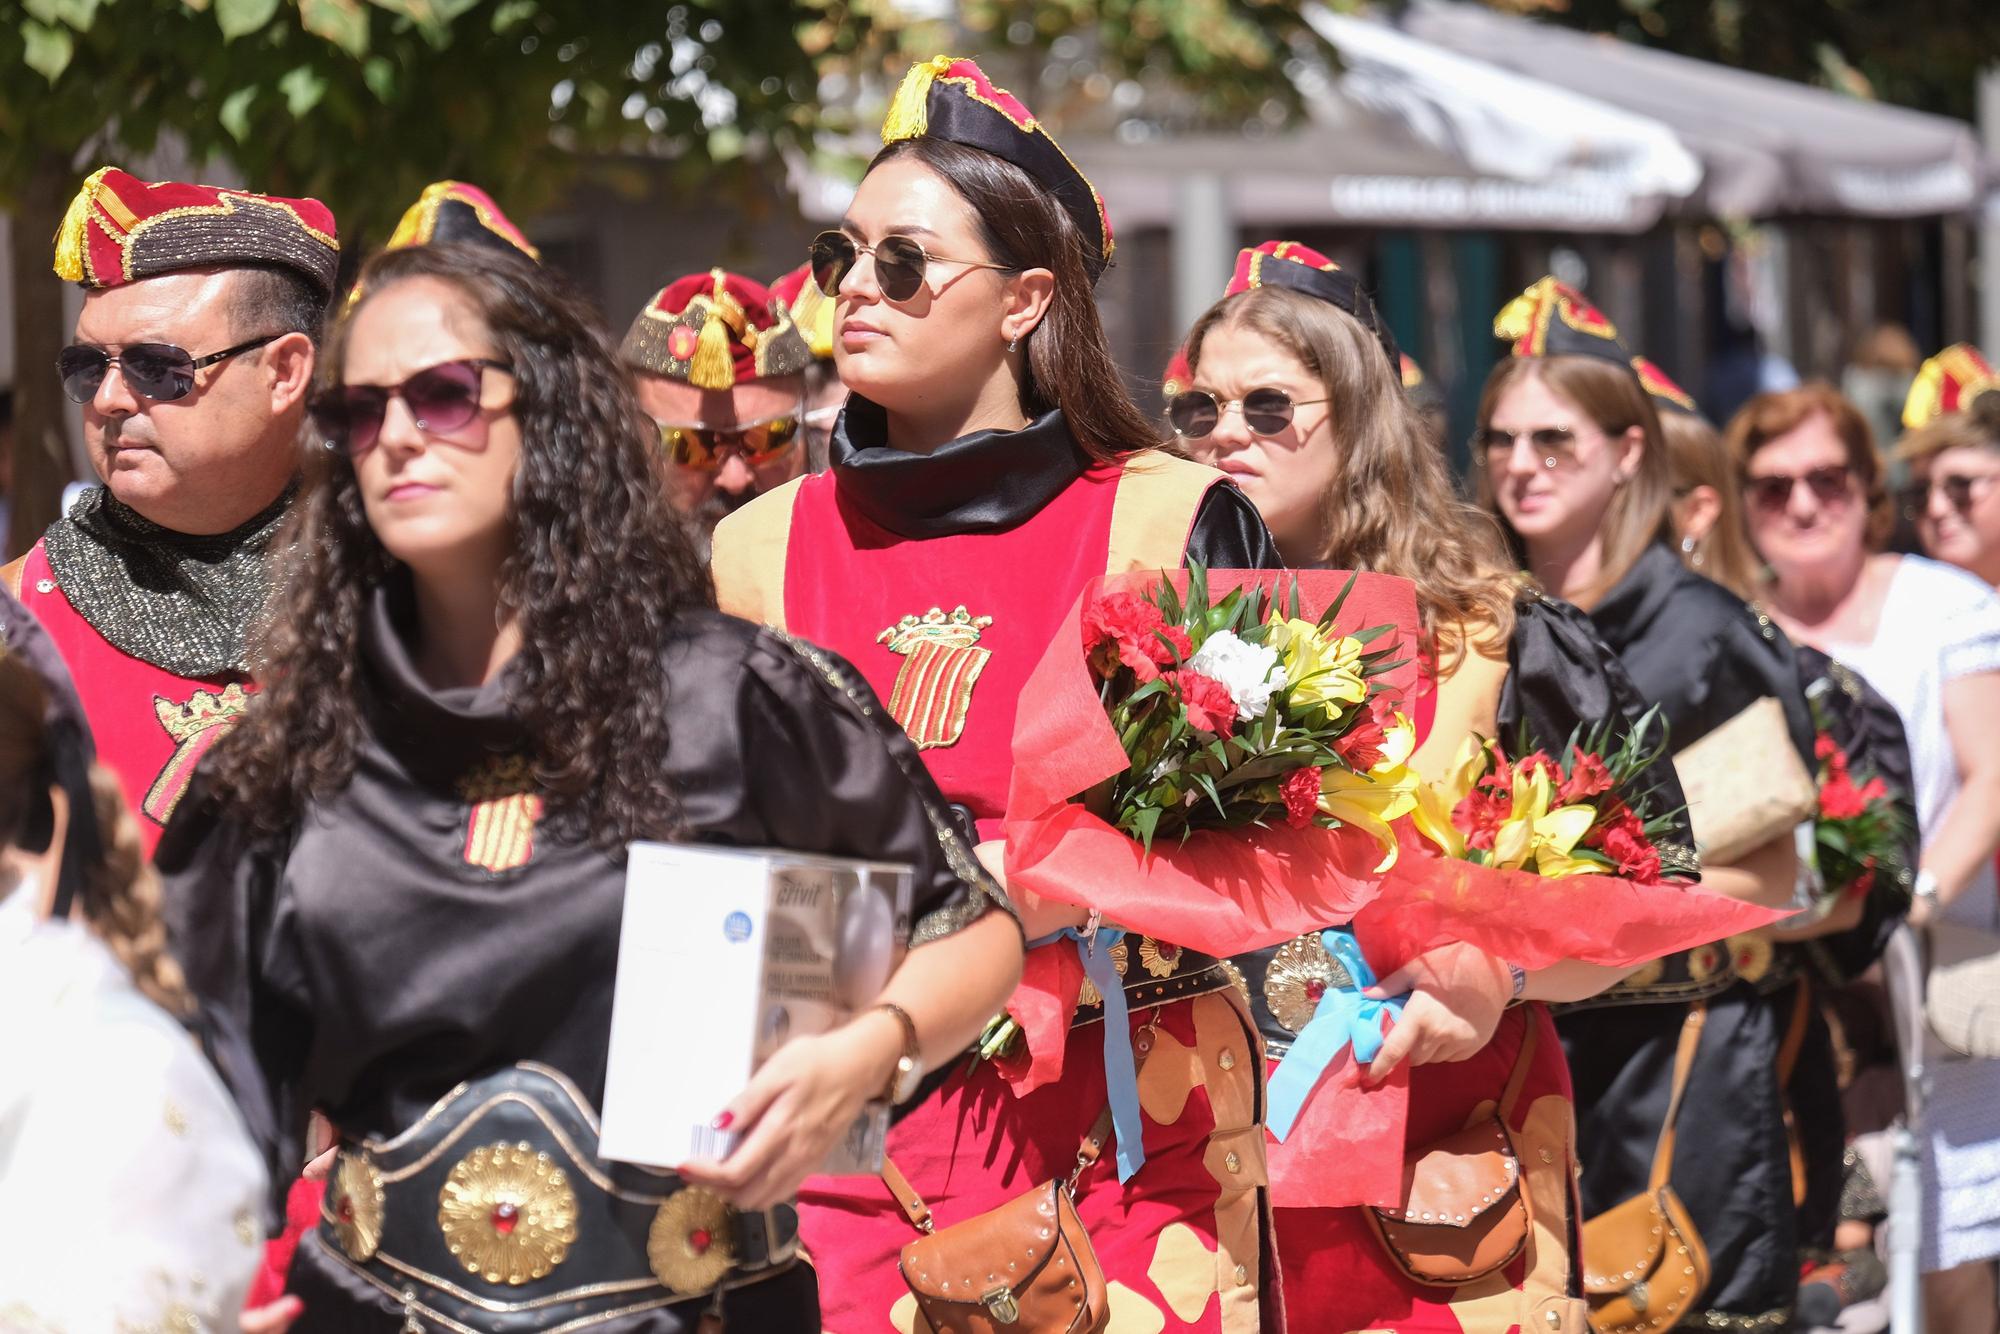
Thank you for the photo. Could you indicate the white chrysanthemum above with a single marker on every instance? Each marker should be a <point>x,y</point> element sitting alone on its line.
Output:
<point>1249,672</point>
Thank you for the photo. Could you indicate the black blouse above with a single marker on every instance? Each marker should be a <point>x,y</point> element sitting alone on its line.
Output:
<point>375,966</point>
<point>991,481</point>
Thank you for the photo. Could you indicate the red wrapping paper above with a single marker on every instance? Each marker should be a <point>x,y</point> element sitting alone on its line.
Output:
<point>1222,891</point>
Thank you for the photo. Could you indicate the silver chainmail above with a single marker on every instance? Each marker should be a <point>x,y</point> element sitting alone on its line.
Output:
<point>184,602</point>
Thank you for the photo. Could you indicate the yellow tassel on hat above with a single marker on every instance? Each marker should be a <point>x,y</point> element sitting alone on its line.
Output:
<point>909,111</point>
<point>419,217</point>
<point>71,236</point>
<point>711,366</point>
<point>1516,319</point>
<point>1926,394</point>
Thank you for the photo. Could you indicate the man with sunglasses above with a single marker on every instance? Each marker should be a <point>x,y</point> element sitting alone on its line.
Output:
<point>190,363</point>
<point>720,366</point>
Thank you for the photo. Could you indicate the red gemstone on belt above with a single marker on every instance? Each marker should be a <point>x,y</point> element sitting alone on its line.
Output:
<point>505,1216</point>
<point>1314,990</point>
<point>699,1240</point>
<point>345,1211</point>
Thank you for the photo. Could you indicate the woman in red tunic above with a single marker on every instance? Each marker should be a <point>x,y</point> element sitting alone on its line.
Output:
<point>1293,386</point>
<point>987,467</point>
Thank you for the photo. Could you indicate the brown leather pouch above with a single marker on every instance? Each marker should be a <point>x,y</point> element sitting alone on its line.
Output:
<point>1644,1265</point>
<point>1464,1213</point>
<point>1027,1265</point>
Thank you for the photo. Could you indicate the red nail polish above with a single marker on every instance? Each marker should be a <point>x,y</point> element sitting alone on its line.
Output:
<point>723,1120</point>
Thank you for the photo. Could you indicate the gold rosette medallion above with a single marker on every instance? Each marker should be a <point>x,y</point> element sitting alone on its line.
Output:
<point>1121,959</point>
<point>354,1203</point>
<point>1300,973</point>
<point>1753,955</point>
<point>1236,979</point>
<point>508,1213</point>
<point>692,1242</point>
<point>1160,958</point>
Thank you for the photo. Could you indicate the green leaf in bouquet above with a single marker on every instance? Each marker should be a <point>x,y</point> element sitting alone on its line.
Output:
<point>1326,617</point>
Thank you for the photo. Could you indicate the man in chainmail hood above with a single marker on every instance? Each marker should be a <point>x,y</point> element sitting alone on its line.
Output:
<point>192,360</point>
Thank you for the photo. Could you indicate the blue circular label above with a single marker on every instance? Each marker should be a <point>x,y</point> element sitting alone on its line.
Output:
<point>736,926</point>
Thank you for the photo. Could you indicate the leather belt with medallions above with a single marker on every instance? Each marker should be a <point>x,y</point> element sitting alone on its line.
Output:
<point>1162,974</point>
<point>1285,983</point>
<point>494,1213</point>
<point>1692,975</point>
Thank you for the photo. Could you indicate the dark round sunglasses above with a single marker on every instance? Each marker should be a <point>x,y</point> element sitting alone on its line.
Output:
<point>441,398</point>
<point>1772,492</point>
<point>704,446</point>
<point>158,371</point>
<point>1196,412</point>
<point>900,263</point>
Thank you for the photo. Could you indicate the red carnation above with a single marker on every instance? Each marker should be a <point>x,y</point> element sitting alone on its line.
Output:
<point>1122,630</point>
<point>1625,843</point>
<point>1534,760</point>
<point>1206,699</point>
<point>1824,746</point>
<point>1300,789</point>
<point>1840,799</point>
<point>1588,778</point>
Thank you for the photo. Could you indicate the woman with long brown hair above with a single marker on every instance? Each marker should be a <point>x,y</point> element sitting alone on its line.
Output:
<point>1292,385</point>
<point>987,466</point>
<point>493,667</point>
<point>1576,470</point>
<point>114,1127</point>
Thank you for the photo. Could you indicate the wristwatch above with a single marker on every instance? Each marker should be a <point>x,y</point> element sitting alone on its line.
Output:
<point>909,1069</point>
<point>1518,977</point>
<point>1926,887</point>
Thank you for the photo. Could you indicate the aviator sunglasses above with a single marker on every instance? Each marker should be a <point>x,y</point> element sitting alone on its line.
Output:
<point>441,398</point>
<point>1771,494</point>
<point>1197,412</point>
<point>1556,444</point>
<point>158,371</point>
<point>900,263</point>
<point>698,446</point>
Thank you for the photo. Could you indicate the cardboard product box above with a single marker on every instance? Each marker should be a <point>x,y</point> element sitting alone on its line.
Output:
<point>725,954</point>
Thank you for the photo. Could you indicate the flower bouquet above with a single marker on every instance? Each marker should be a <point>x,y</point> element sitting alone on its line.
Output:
<point>1213,759</point>
<point>1534,860</point>
<point>1859,831</point>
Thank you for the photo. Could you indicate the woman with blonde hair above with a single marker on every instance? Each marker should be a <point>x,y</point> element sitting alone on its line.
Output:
<point>130,1189</point>
<point>1292,386</point>
<point>1577,471</point>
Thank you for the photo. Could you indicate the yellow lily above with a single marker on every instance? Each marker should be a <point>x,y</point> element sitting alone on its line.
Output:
<point>1437,800</point>
<point>1325,674</point>
<point>1535,831</point>
<point>1371,802</point>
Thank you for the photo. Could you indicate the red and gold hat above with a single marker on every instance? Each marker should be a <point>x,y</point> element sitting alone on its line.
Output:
<point>1413,374</point>
<point>1553,319</point>
<point>1666,394</point>
<point>1948,382</point>
<point>952,99</point>
<point>1303,269</point>
<point>812,309</point>
<point>120,229</point>
<point>450,212</point>
<point>1178,374</point>
<point>714,329</point>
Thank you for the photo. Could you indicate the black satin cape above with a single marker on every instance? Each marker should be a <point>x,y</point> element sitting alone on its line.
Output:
<point>1703,655</point>
<point>375,968</point>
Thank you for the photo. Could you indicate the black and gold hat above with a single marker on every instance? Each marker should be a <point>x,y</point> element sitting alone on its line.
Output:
<point>714,330</point>
<point>949,98</point>
<point>450,212</point>
<point>1553,319</point>
<point>120,229</point>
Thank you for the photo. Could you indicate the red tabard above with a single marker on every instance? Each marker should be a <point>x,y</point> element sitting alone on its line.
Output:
<point>953,681</point>
<point>151,726</point>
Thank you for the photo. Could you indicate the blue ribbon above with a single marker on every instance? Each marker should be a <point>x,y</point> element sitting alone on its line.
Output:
<point>1344,1017</point>
<point>1121,1071</point>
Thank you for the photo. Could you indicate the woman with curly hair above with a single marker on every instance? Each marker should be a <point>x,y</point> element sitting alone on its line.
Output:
<point>1293,387</point>
<point>493,666</point>
<point>113,1126</point>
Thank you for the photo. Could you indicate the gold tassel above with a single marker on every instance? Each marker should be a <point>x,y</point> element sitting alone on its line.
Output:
<point>711,366</point>
<point>1926,394</point>
<point>1516,319</point>
<point>419,218</point>
<point>909,111</point>
<point>72,235</point>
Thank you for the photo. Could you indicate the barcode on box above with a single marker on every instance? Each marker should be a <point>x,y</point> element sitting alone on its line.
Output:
<point>708,1142</point>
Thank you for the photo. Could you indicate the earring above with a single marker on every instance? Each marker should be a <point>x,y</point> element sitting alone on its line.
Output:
<point>1687,545</point>
<point>1014,343</point>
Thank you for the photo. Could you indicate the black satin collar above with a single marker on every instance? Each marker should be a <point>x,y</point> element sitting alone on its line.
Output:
<point>985,482</point>
<point>1635,601</point>
<point>424,726</point>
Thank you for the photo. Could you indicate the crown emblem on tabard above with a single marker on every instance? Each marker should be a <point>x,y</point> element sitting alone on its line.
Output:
<point>193,726</point>
<point>942,660</point>
<point>504,806</point>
